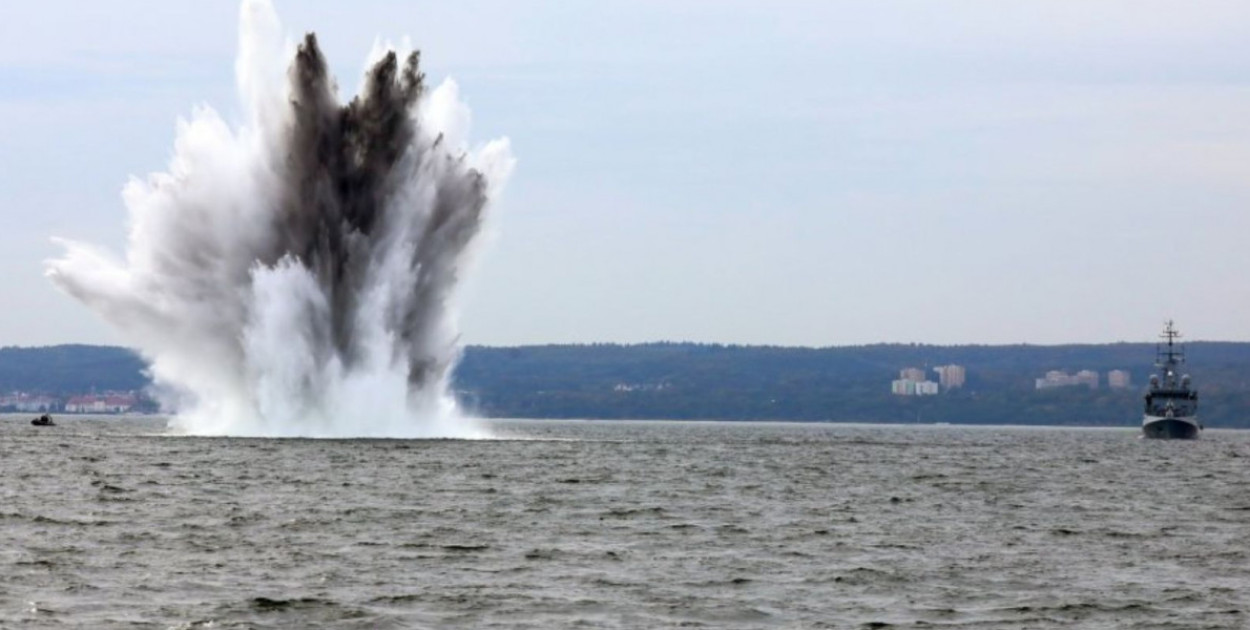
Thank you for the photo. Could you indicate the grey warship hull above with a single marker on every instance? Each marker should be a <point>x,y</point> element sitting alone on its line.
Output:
<point>1170,428</point>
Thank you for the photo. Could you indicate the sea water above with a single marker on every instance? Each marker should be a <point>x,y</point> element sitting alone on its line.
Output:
<point>110,523</point>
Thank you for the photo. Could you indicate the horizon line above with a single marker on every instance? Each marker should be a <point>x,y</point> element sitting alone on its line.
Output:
<point>728,344</point>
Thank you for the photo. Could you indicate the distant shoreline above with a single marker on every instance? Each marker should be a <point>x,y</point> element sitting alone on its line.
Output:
<point>691,381</point>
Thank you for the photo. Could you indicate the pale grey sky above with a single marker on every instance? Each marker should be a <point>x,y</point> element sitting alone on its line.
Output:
<point>797,173</point>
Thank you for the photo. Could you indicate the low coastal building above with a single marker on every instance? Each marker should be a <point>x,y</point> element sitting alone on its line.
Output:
<point>1119,379</point>
<point>1060,378</point>
<point>108,403</point>
<point>912,382</point>
<point>24,402</point>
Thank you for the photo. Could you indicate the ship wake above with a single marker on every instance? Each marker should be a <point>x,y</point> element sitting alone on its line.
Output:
<point>295,274</point>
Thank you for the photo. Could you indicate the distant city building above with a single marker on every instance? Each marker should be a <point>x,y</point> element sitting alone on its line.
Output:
<point>912,374</point>
<point>641,387</point>
<point>1059,378</point>
<point>106,402</point>
<point>1053,378</point>
<point>912,382</point>
<point>1118,379</point>
<point>950,376</point>
<point>21,401</point>
<point>109,403</point>
<point>908,387</point>
<point>1088,378</point>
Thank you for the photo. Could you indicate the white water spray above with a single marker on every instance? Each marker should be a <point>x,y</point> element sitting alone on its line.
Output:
<point>296,275</point>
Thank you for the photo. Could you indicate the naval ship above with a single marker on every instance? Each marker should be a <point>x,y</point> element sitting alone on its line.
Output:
<point>1171,404</point>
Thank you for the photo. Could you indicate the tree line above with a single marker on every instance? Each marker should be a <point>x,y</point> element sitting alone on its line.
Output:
<point>731,382</point>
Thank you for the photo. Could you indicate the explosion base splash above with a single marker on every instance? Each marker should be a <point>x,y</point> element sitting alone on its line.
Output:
<point>295,275</point>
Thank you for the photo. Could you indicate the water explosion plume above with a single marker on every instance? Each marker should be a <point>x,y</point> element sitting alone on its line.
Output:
<point>295,275</point>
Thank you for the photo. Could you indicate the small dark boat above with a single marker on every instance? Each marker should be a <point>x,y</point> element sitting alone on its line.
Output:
<point>43,421</point>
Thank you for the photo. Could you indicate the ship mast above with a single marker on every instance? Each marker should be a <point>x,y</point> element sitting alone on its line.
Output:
<point>1173,355</point>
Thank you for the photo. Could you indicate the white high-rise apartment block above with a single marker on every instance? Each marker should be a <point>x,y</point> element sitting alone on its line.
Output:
<point>950,376</point>
<point>1119,379</point>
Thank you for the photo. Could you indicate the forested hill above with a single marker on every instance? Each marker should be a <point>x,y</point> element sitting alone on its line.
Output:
<point>682,380</point>
<point>70,369</point>
<point>702,381</point>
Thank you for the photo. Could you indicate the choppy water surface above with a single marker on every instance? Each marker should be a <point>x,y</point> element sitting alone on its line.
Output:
<point>108,524</point>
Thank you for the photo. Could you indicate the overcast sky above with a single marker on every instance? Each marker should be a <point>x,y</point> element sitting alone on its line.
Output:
<point>794,173</point>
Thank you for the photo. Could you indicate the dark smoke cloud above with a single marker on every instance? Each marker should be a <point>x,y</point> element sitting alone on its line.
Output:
<point>345,165</point>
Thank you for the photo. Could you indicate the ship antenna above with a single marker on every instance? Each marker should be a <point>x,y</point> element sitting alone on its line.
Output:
<point>1171,334</point>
